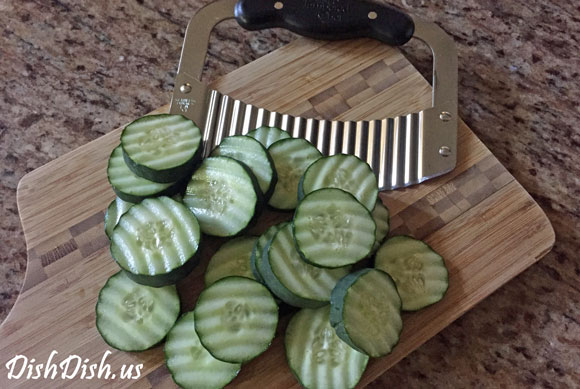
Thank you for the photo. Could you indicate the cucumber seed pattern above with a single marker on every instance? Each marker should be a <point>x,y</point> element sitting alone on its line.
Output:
<point>344,180</point>
<point>346,172</point>
<point>222,195</point>
<point>236,319</point>
<point>215,195</point>
<point>297,282</point>
<point>133,317</point>
<point>368,293</point>
<point>190,364</point>
<point>291,159</point>
<point>331,226</point>
<point>157,140</point>
<point>307,270</point>
<point>317,356</point>
<point>407,274</point>
<point>327,348</point>
<point>235,314</point>
<point>377,317</point>
<point>138,306</point>
<point>291,171</point>
<point>152,236</point>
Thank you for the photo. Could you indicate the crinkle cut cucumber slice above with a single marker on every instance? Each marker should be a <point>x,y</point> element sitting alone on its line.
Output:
<point>236,319</point>
<point>224,195</point>
<point>418,271</point>
<point>115,210</point>
<point>380,215</point>
<point>258,249</point>
<point>232,259</point>
<point>132,188</point>
<point>268,135</point>
<point>332,229</point>
<point>317,356</point>
<point>366,312</point>
<point>135,317</point>
<point>291,159</point>
<point>118,208</point>
<point>346,172</point>
<point>251,152</point>
<point>294,281</point>
<point>161,148</point>
<point>190,364</point>
<point>156,242</point>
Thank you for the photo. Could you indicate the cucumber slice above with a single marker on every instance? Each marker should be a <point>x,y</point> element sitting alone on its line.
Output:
<point>134,317</point>
<point>345,172</point>
<point>236,319</point>
<point>224,196</point>
<point>115,210</point>
<point>380,215</point>
<point>418,271</point>
<point>251,152</point>
<point>232,259</point>
<point>332,229</point>
<point>294,281</point>
<point>132,188</point>
<point>366,312</point>
<point>258,250</point>
<point>156,242</point>
<point>190,364</point>
<point>291,159</point>
<point>268,135</point>
<point>161,148</point>
<point>317,357</point>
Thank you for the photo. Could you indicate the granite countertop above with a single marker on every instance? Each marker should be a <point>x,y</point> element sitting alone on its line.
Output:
<point>71,71</point>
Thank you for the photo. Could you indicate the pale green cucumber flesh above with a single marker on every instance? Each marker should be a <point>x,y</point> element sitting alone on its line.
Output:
<point>317,356</point>
<point>156,241</point>
<point>115,210</point>
<point>134,317</point>
<point>268,135</point>
<point>366,312</point>
<point>258,250</point>
<point>332,229</point>
<point>232,259</point>
<point>342,171</point>
<point>236,319</point>
<point>222,194</point>
<point>418,271</point>
<point>380,215</point>
<point>251,152</point>
<point>294,281</point>
<point>161,148</point>
<point>130,187</point>
<point>190,364</point>
<point>291,158</point>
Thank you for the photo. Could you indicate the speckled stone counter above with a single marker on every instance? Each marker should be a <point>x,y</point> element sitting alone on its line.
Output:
<point>70,71</point>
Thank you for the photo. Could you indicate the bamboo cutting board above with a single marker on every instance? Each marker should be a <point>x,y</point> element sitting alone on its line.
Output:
<point>478,217</point>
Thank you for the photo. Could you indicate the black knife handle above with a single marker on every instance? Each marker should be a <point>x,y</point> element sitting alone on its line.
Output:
<point>328,19</point>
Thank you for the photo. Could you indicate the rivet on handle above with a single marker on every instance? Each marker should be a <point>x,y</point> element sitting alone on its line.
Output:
<point>444,151</point>
<point>445,116</point>
<point>185,88</point>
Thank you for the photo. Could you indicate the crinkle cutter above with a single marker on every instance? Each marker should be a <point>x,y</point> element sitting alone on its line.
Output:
<point>402,151</point>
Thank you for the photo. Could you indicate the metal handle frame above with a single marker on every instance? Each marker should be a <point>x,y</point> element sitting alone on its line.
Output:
<point>437,125</point>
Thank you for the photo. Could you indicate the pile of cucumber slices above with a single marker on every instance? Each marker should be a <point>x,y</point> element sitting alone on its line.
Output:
<point>169,201</point>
